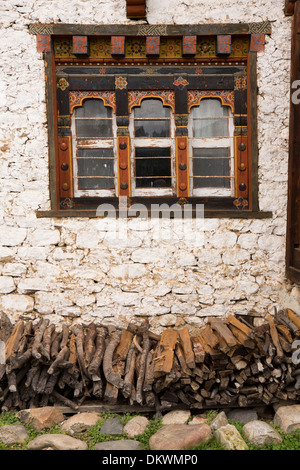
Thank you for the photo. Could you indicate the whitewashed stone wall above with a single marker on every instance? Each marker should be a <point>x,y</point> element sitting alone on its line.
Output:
<point>76,269</point>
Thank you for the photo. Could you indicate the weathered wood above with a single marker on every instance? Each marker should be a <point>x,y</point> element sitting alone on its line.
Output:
<point>12,344</point>
<point>187,347</point>
<point>241,337</point>
<point>165,353</point>
<point>45,347</point>
<point>274,336</point>
<point>89,344</point>
<point>111,376</point>
<point>141,375</point>
<point>38,338</point>
<point>129,371</point>
<point>99,353</point>
<point>198,350</point>
<point>227,375</point>
<point>223,330</point>
<point>294,318</point>
<point>59,359</point>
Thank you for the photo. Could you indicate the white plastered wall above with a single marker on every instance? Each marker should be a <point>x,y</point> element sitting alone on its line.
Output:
<point>76,269</point>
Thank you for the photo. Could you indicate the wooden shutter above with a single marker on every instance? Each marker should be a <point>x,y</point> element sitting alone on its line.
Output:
<point>293,217</point>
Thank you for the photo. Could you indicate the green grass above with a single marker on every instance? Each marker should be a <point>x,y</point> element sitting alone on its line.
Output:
<point>93,435</point>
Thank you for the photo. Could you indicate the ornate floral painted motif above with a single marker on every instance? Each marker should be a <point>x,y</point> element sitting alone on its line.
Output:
<point>62,84</point>
<point>118,45</point>
<point>76,98</point>
<point>224,45</point>
<point>241,203</point>
<point>189,45</point>
<point>257,43</point>
<point>80,45</point>
<point>120,83</point>
<point>170,48</point>
<point>152,45</point>
<point>135,98</point>
<point>226,97</point>
<point>43,43</point>
<point>180,81</point>
<point>240,83</point>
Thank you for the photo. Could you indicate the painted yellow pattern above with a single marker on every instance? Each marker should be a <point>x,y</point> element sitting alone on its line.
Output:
<point>135,48</point>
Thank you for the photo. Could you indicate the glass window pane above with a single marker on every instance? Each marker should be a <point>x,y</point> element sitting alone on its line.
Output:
<point>95,167</point>
<point>96,183</point>
<point>144,128</point>
<point>93,108</point>
<point>152,108</point>
<point>210,108</point>
<point>212,183</point>
<point>211,162</point>
<point>95,153</point>
<point>153,167</point>
<point>93,128</point>
<point>210,127</point>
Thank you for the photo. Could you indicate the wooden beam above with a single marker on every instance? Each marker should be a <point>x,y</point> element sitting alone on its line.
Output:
<point>152,30</point>
<point>293,209</point>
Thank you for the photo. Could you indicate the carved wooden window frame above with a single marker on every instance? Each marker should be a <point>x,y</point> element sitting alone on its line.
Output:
<point>186,74</point>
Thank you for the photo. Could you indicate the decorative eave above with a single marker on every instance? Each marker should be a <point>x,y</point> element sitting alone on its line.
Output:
<point>264,27</point>
<point>289,7</point>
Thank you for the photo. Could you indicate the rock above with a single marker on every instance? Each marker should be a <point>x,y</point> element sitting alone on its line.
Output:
<point>230,438</point>
<point>135,426</point>
<point>16,303</point>
<point>176,417</point>
<point>198,420</point>
<point>7,284</point>
<point>260,433</point>
<point>80,422</point>
<point>13,434</point>
<point>43,237</point>
<point>120,444</point>
<point>243,415</point>
<point>288,418</point>
<point>12,236</point>
<point>112,426</point>
<point>57,442</point>
<point>179,437</point>
<point>219,421</point>
<point>41,418</point>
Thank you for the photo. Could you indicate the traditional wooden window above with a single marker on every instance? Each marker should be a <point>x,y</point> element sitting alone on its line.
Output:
<point>155,113</point>
<point>93,132</point>
<point>153,153</point>
<point>211,131</point>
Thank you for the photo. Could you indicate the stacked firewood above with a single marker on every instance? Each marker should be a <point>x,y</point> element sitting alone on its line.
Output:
<point>229,362</point>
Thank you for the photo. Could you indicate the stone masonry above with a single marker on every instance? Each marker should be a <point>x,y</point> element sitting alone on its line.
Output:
<point>78,269</point>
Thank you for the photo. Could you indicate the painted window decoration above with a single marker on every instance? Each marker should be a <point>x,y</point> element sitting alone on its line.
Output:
<point>211,132</point>
<point>152,137</point>
<point>93,133</point>
<point>162,117</point>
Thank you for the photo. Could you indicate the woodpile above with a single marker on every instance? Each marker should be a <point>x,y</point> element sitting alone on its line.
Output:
<point>229,363</point>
